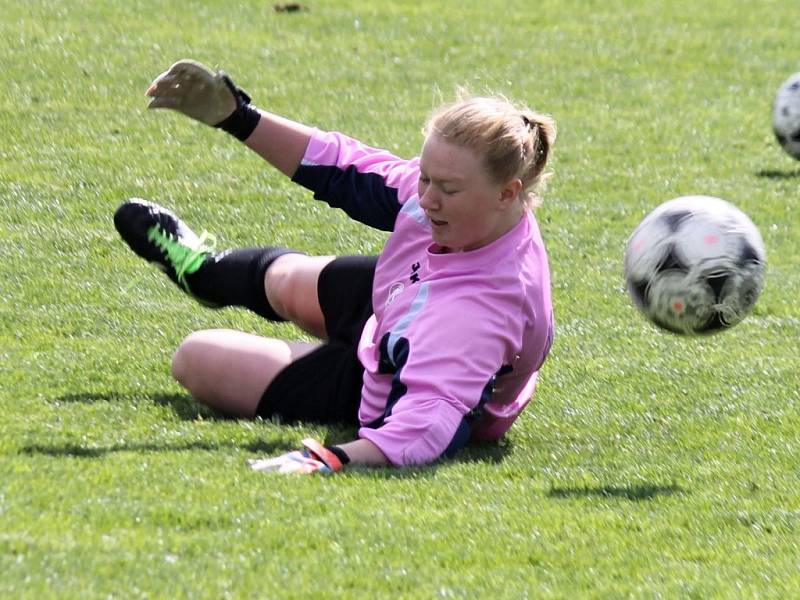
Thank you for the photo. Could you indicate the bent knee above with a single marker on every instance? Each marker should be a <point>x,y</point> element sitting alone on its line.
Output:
<point>190,358</point>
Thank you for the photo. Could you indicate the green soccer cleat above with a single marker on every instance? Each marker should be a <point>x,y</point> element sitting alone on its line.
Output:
<point>156,234</point>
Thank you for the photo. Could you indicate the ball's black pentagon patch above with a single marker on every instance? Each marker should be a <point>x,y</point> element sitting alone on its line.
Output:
<point>671,262</point>
<point>747,255</point>
<point>716,282</point>
<point>675,219</point>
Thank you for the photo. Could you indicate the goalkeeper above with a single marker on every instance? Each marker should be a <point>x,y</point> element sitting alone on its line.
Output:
<point>436,341</point>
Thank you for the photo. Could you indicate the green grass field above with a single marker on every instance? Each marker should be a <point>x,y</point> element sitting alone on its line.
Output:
<point>647,466</point>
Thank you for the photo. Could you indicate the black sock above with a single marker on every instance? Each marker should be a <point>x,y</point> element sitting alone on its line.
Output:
<point>236,278</point>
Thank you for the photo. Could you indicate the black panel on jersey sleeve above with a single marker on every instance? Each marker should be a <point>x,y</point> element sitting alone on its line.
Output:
<point>365,197</point>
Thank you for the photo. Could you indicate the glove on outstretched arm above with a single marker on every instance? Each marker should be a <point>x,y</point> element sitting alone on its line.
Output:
<point>207,96</point>
<point>313,458</point>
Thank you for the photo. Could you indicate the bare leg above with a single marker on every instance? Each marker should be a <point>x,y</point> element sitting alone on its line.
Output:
<point>291,287</point>
<point>230,370</point>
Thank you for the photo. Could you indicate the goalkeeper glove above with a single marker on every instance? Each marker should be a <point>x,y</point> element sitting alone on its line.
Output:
<point>206,96</point>
<point>313,458</point>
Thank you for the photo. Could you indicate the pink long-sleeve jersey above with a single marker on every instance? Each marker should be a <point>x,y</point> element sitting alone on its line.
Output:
<point>456,340</point>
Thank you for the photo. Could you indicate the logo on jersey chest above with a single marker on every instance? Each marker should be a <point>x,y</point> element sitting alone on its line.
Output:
<point>414,278</point>
<point>394,291</point>
<point>398,286</point>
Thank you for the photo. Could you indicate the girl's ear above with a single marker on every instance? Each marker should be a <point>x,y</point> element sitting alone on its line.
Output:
<point>510,191</point>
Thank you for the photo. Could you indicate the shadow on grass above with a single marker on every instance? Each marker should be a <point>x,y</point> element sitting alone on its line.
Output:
<point>184,406</point>
<point>631,492</point>
<point>76,451</point>
<point>778,174</point>
<point>486,453</point>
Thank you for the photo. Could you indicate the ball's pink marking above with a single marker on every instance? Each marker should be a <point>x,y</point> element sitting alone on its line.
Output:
<point>711,239</point>
<point>678,306</point>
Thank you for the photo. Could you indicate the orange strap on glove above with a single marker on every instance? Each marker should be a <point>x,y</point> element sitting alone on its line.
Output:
<point>313,458</point>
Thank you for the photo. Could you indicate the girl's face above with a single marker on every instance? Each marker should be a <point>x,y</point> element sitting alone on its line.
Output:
<point>467,210</point>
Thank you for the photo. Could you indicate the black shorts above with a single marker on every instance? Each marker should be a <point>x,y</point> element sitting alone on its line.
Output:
<point>324,386</point>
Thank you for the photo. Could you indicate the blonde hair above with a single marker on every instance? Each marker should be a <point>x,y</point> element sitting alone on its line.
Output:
<point>514,142</point>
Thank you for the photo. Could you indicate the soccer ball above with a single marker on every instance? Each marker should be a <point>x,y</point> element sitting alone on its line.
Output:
<point>695,265</point>
<point>786,116</point>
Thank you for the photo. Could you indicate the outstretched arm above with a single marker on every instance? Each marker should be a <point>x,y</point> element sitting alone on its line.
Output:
<point>279,141</point>
<point>210,97</point>
<point>369,184</point>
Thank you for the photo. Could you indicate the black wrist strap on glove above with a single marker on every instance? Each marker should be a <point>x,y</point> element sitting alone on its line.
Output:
<point>339,453</point>
<point>242,121</point>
